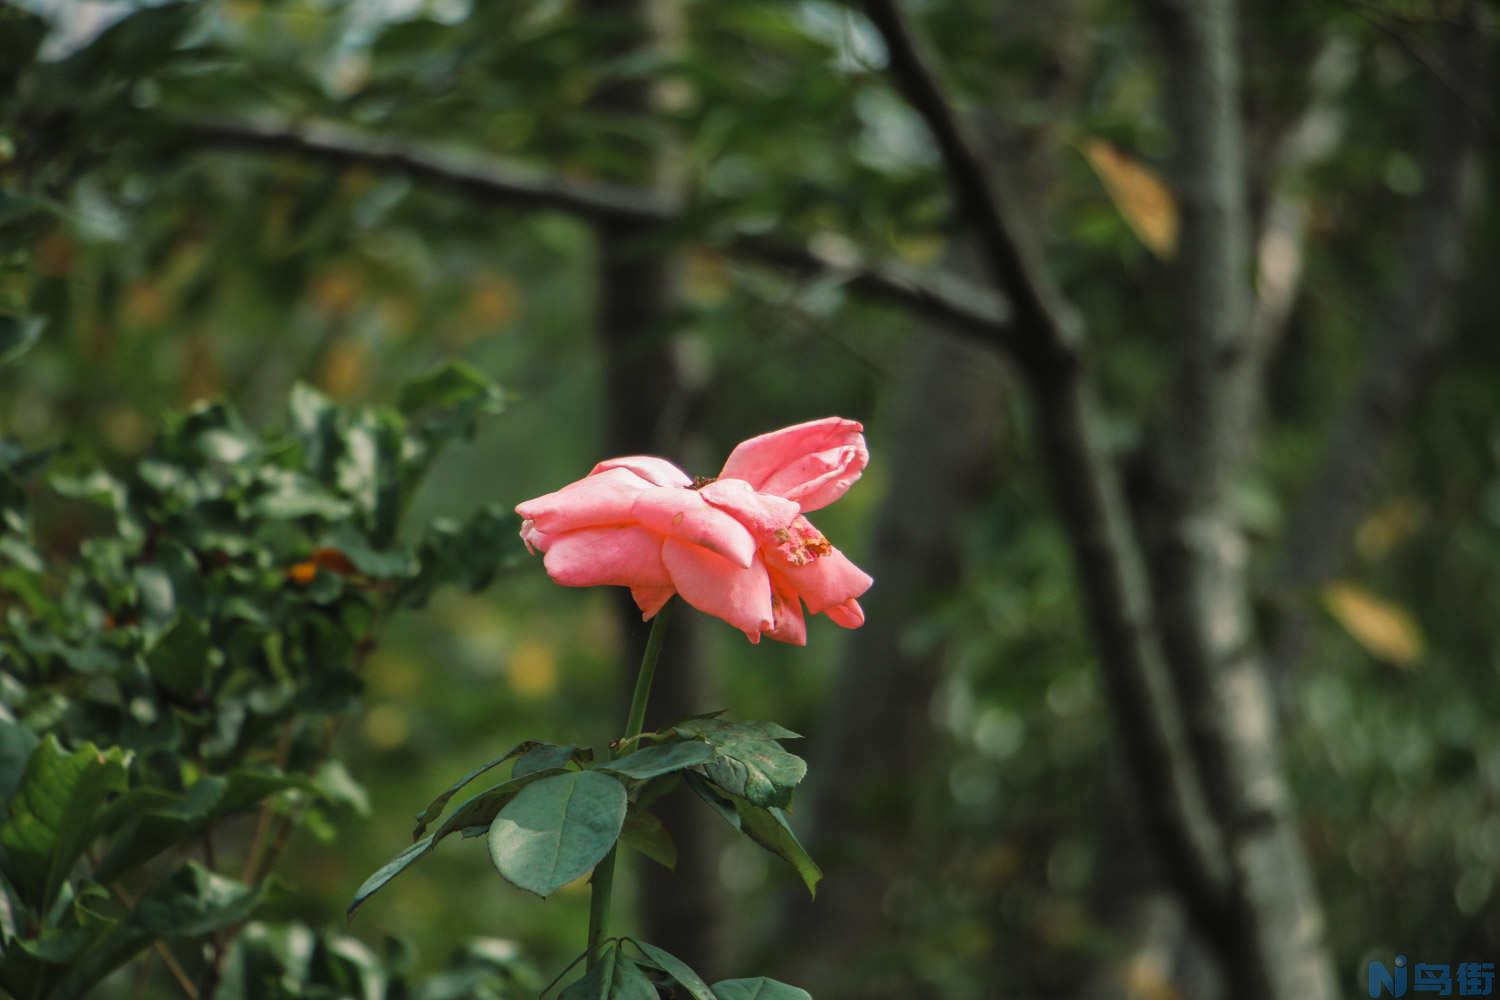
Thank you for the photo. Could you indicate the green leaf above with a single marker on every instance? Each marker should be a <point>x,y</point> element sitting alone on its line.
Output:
<point>760,771</point>
<point>195,901</point>
<point>767,826</point>
<point>381,564</point>
<point>16,746</point>
<point>747,759</point>
<point>717,730</point>
<point>547,757</point>
<point>759,988</point>
<point>663,758</point>
<point>465,555</point>
<point>18,334</point>
<point>337,786</point>
<point>678,970</point>
<point>181,657</point>
<point>475,814</point>
<point>436,806</point>
<point>452,386</point>
<point>156,820</point>
<point>53,812</point>
<point>557,829</point>
<point>613,977</point>
<point>643,832</point>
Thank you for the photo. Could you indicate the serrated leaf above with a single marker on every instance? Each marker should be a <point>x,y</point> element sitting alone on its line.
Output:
<point>761,771</point>
<point>52,814</point>
<point>759,988</point>
<point>677,969</point>
<point>663,758</point>
<point>557,829</point>
<point>644,833</point>
<point>747,759</point>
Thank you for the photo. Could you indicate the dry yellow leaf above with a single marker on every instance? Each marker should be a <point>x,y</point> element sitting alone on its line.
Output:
<point>1384,629</point>
<point>1145,202</point>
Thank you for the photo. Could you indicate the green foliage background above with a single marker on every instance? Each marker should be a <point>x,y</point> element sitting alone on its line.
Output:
<point>155,269</point>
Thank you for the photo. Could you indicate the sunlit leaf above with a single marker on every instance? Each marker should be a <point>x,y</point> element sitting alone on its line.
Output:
<point>1385,630</point>
<point>1144,201</point>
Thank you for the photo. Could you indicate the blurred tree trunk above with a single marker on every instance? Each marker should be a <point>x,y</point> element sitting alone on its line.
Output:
<point>647,402</point>
<point>877,739</point>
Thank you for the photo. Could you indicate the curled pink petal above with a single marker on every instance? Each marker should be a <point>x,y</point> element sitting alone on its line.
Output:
<point>790,627</point>
<point>741,595</point>
<point>813,463</point>
<point>847,615</point>
<point>588,502</point>
<point>827,581</point>
<point>657,471</point>
<point>803,561</point>
<point>762,513</point>
<point>684,515</point>
<point>535,539</point>
<point>651,599</point>
<point>607,556</point>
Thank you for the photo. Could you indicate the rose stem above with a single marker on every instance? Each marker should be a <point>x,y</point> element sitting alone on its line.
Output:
<point>602,884</point>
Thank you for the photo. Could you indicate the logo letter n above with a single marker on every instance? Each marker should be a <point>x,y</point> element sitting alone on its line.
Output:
<point>1385,981</point>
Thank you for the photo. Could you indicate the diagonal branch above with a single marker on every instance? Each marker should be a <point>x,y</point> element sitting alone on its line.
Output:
<point>1052,329</point>
<point>1108,561</point>
<point>950,300</point>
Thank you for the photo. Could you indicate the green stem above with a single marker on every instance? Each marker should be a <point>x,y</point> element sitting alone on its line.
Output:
<point>602,884</point>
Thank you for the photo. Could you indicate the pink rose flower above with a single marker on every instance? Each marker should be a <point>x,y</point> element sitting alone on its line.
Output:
<point>737,547</point>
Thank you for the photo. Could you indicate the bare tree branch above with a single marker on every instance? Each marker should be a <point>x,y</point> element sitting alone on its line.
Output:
<point>1108,562</point>
<point>1052,326</point>
<point>974,312</point>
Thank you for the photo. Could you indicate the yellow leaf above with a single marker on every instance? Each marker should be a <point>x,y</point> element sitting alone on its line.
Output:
<point>1388,527</point>
<point>1385,630</point>
<point>1142,198</point>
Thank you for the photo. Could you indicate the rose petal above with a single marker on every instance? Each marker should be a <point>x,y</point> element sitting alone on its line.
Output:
<point>762,513</point>
<point>593,500</point>
<point>825,581</point>
<point>651,599</point>
<point>536,540</point>
<point>847,615</point>
<point>813,463</point>
<point>683,514</point>
<point>625,556</point>
<point>714,585</point>
<point>790,627</point>
<point>657,471</point>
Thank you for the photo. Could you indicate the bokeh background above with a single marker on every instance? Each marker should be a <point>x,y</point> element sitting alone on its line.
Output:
<point>769,214</point>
